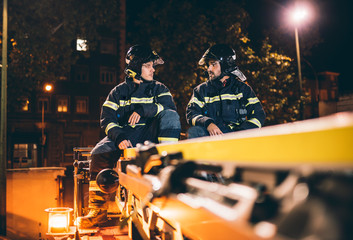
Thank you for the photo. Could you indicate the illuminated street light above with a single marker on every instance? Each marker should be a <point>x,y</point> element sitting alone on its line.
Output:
<point>47,88</point>
<point>299,15</point>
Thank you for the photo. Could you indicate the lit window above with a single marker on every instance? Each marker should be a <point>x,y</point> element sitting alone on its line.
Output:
<point>82,105</point>
<point>25,105</point>
<point>24,155</point>
<point>81,45</point>
<point>20,151</point>
<point>62,78</point>
<point>22,104</point>
<point>107,75</point>
<point>63,104</point>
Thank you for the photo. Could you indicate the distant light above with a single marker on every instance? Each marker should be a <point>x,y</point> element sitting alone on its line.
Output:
<point>48,87</point>
<point>300,14</point>
<point>81,45</point>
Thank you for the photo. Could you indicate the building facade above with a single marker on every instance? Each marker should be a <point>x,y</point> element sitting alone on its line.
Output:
<point>44,132</point>
<point>325,98</point>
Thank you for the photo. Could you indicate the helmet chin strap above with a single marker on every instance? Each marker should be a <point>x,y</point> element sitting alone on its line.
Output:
<point>135,75</point>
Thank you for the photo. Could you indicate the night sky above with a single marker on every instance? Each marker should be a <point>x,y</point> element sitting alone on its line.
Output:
<point>332,17</point>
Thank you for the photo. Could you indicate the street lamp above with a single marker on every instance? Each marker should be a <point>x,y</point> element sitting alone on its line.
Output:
<point>298,15</point>
<point>47,88</point>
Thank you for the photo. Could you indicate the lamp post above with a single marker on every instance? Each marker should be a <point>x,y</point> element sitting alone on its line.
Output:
<point>47,88</point>
<point>3,122</point>
<point>299,15</point>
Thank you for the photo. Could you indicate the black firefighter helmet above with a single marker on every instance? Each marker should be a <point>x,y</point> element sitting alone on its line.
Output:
<point>138,55</point>
<point>226,56</point>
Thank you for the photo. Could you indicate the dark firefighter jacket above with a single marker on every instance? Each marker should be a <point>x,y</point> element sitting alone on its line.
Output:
<point>234,105</point>
<point>147,99</point>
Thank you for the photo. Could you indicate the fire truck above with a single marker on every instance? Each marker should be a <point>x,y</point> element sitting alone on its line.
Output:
<point>290,181</point>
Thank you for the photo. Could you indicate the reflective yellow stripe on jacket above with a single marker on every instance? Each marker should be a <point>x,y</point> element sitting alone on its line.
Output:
<point>160,108</point>
<point>224,97</point>
<point>193,121</point>
<point>255,121</point>
<point>111,105</point>
<point>198,102</point>
<point>110,126</point>
<point>164,94</point>
<point>252,101</point>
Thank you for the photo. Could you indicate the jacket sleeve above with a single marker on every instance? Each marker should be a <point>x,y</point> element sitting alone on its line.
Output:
<point>109,118</point>
<point>162,99</point>
<point>196,110</point>
<point>255,113</point>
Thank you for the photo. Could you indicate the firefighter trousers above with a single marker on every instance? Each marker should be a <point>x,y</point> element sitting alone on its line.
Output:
<point>165,127</point>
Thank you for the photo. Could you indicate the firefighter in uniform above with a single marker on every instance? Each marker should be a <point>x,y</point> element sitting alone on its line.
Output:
<point>137,110</point>
<point>224,103</point>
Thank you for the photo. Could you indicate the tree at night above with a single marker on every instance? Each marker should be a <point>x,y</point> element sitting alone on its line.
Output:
<point>42,37</point>
<point>182,31</point>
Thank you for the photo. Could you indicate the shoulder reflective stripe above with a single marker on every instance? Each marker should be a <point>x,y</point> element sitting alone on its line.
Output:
<point>165,94</point>
<point>193,121</point>
<point>111,105</point>
<point>224,97</point>
<point>160,108</point>
<point>142,100</point>
<point>196,101</point>
<point>255,121</point>
<point>167,139</point>
<point>252,101</point>
<point>110,126</point>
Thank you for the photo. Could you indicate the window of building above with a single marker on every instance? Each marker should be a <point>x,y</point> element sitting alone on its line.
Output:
<point>81,104</point>
<point>43,104</point>
<point>107,75</point>
<point>23,105</point>
<point>62,104</point>
<point>71,140</point>
<point>323,95</point>
<point>81,45</point>
<point>81,73</point>
<point>333,95</point>
<point>24,155</point>
<point>63,77</point>
<point>108,46</point>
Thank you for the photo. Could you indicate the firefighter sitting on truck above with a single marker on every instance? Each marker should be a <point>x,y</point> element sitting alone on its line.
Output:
<point>224,103</point>
<point>137,110</point>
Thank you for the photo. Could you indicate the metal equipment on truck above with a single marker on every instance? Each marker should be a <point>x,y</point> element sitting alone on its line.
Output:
<point>290,181</point>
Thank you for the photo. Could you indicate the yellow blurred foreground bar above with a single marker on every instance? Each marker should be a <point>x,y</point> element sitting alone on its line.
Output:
<point>322,143</point>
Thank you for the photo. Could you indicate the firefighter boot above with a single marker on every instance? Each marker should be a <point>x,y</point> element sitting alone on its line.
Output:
<point>97,205</point>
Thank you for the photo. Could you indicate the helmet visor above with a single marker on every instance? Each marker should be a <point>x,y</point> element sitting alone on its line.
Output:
<point>155,58</point>
<point>239,74</point>
<point>208,55</point>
